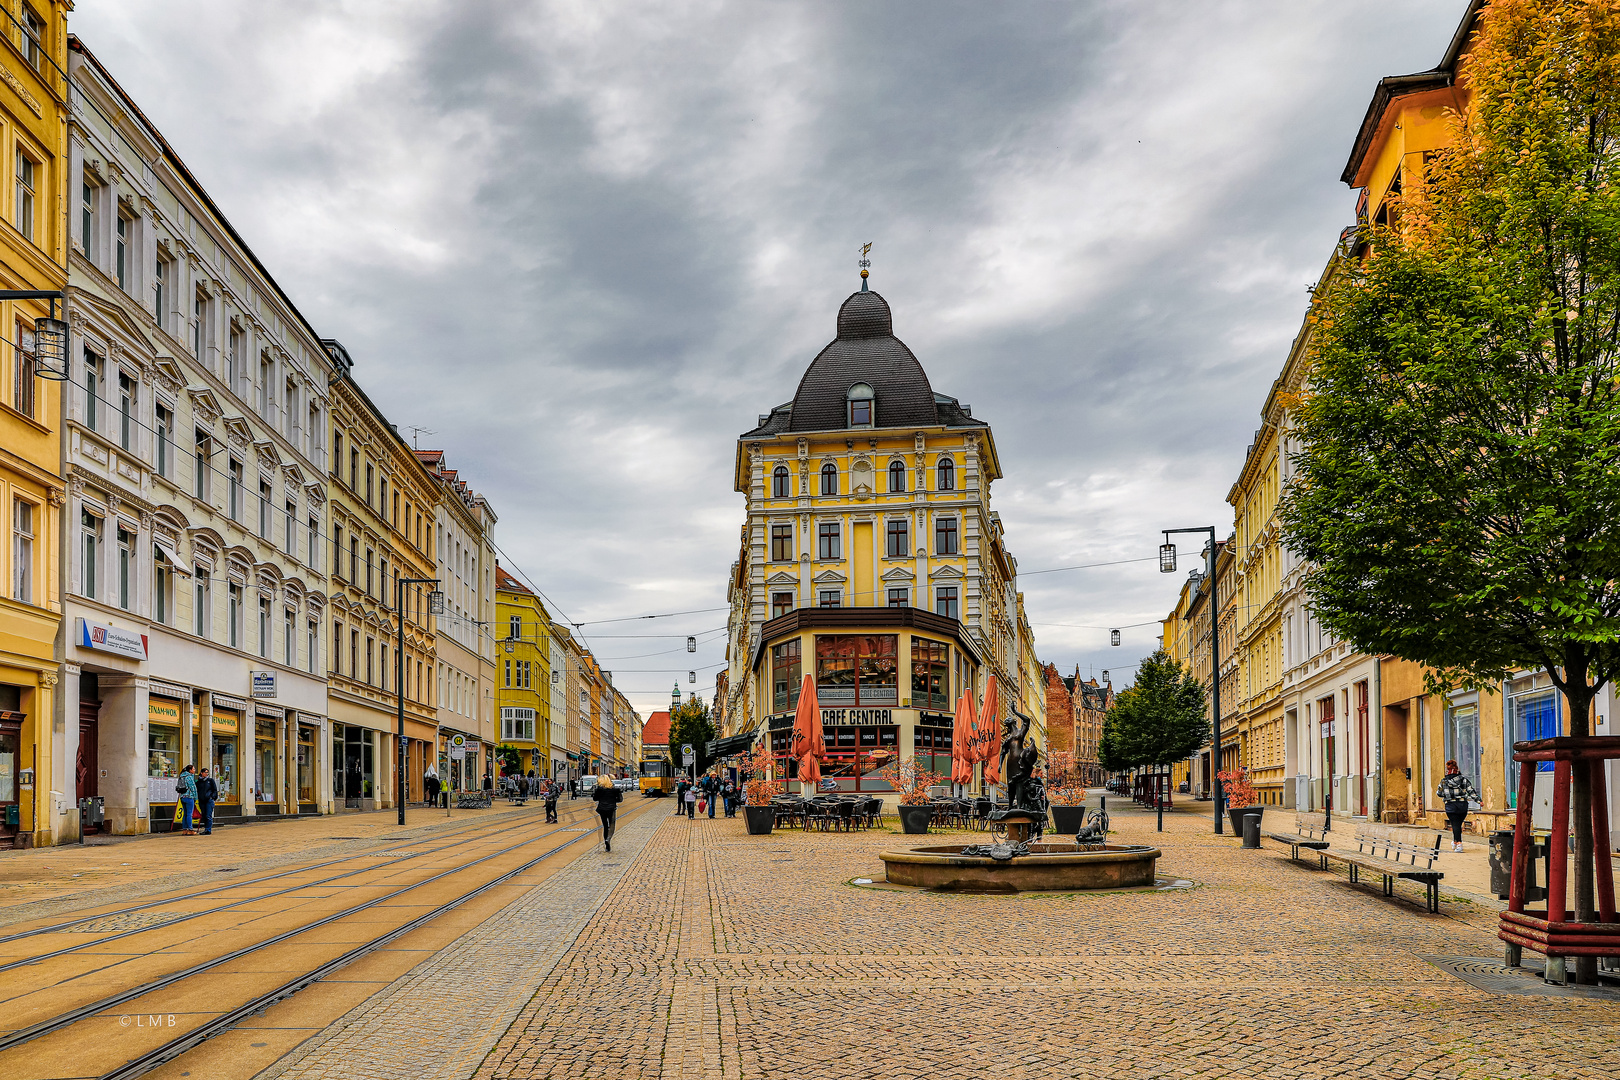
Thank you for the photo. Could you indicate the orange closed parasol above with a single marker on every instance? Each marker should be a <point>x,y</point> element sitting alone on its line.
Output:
<point>807,746</point>
<point>962,741</point>
<point>990,733</point>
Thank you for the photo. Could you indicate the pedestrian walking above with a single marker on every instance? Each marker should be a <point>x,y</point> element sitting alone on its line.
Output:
<point>207,796</point>
<point>1456,791</point>
<point>552,791</point>
<point>430,786</point>
<point>186,790</point>
<point>573,789</point>
<point>607,799</point>
<point>691,802</point>
<point>729,793</point>
<point>711,788</point>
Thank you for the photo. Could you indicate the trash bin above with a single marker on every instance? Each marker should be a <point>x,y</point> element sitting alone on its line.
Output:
<point>1251,830</point>
<point>1501,843</point>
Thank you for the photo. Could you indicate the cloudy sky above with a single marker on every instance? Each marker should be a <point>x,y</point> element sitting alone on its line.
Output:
<point>586,243</point>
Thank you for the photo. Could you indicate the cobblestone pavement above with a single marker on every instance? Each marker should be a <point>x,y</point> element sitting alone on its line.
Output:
<point>720,955</point>
<point>441,1018</point>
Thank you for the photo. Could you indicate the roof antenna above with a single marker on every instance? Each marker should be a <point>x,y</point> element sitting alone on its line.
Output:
<point>416,432</point>
<point>864,264</point>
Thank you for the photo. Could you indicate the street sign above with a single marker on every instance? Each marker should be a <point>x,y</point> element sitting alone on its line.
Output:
<point>458,741</point>
<point>457,753</point>
<point>688,757</point>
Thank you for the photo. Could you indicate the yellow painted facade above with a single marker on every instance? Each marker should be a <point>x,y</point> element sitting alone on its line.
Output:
<point>524,673</point>
<point>383,504</point>
<point>34,786</point>
<point>872,561</point>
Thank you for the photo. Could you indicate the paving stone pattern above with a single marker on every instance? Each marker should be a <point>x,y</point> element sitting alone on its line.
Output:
<point>441,1018</point>
<point>720,955</point>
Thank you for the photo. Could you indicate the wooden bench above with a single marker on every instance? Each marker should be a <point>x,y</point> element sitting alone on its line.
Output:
<point>1310,832</point>
<point>1385,849</point>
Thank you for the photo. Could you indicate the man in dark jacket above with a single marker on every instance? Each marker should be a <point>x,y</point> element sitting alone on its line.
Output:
<point>207,796</point>
<point>550,792</point>
<point>607,799</point>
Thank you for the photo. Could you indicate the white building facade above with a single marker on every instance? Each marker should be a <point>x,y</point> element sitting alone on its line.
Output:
<point>193,448</point>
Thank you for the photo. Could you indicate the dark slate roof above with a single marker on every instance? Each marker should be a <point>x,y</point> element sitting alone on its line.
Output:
<point>865,351</point>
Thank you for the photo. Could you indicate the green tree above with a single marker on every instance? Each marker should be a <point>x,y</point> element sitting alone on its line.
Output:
<point>1160,719</point>
<point>1459,477</point>
<point>690,723</point>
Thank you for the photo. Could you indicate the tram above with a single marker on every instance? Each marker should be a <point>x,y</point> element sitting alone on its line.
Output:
<point>656,781</point>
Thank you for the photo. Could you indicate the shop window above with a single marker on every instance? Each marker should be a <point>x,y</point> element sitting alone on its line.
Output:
<point>265,787</point>
<point>932,747</point>
<point>306,764</point>
<point>787,675</point>
<point>930,674</point>
<point>857,669</point>
<point>1534,714</point>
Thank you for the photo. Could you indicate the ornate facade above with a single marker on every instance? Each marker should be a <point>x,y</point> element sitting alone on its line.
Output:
<point>871,559</point>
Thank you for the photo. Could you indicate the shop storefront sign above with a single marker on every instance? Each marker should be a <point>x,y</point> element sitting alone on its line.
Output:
<point>843,717</point>
<point>113,639</point>
<point>264,684</point>
<point>161,711</point>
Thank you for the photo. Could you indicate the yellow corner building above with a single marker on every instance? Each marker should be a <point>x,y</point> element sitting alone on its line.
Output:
<point>36,788</point>
<point>524,674</point>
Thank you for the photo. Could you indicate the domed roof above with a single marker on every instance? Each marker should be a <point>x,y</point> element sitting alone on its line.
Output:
<point>865,351</point>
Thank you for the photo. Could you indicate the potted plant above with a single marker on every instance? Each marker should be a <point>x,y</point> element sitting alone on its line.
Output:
<point>911,784</point>
<point>1064,792</point>
<point>1240,798</point>
<point>758,791</point>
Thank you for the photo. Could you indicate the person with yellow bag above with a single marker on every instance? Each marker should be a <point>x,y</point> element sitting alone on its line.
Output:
<point>186,790</point>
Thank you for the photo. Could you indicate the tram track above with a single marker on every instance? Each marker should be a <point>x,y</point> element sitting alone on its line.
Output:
<point>228,885</point>
<point>184,915</point>
<point>197,980</point>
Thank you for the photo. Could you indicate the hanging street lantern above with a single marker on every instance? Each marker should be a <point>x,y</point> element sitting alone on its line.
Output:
<point>1167,558</point>
<point>436,602</point>
<point>691,644</point>
<point>51,349</point>
<point>691,676</point>
<point>1113,637</point>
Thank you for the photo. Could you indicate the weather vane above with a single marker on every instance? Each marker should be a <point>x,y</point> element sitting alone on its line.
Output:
<point>865,263</point>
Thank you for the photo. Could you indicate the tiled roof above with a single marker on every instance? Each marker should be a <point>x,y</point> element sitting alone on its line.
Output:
<point>655,732</point>
<point>507,583</point>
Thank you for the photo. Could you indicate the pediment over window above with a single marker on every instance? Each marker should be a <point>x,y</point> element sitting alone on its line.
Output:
<point>829,577</point>
<point>294,475</point>
<point>168,374</point>
<point>945,572</point>
<point>237,430</point>
<point>204,403</point>
<point>268,458</point>
<point>782,577</point>
<point>899,573</point>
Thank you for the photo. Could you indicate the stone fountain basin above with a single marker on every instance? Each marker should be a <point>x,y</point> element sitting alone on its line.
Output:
<point>1047,868</point>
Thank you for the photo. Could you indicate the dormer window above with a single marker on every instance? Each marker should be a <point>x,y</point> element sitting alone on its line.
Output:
<point>861,400</point>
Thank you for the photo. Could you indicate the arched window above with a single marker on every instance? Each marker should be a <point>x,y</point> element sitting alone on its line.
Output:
<point>779,483</point>
<point>829,479</point>
<point>947,475</point>
<point>897,476</point>
<point>861,402</point>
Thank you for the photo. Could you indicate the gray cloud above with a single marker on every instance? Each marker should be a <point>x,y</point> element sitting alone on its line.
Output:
<point>586,243</point>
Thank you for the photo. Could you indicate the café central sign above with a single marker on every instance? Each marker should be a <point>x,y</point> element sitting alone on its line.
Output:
<point>855,717</point>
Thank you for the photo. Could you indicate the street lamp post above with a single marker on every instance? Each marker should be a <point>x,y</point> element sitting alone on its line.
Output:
<point>1167,565</point>
<point>435,605</point>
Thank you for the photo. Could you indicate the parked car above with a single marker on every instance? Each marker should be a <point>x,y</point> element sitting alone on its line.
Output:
<point>625,783</point>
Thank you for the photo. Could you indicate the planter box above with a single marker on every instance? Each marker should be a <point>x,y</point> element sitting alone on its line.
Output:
<point>761,819</point>
<point>914,819</point>
<point>1068,819</point>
